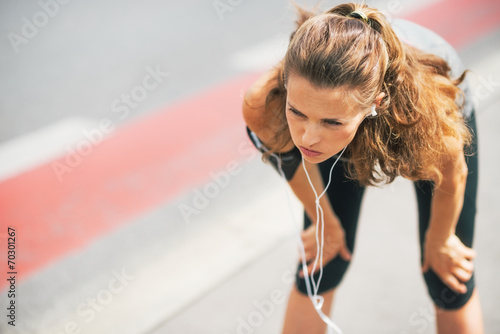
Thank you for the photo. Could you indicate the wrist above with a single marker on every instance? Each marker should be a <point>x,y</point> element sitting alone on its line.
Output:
<point>330,218</point>
<point>438,236</point>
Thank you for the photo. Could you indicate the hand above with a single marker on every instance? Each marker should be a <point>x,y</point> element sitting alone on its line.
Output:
<point>451,260</point>
<point>334,245</point>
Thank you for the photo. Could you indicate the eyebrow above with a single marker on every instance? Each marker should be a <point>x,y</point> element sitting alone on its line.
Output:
<point>323,119</point>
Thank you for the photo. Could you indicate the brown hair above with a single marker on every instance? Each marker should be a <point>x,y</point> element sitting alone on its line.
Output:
<point>418,115</point>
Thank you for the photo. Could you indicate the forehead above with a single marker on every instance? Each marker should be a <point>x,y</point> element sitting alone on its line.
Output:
<point>321,102</point>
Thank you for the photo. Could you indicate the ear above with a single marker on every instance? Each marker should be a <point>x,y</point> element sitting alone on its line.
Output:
<point>378,99</point>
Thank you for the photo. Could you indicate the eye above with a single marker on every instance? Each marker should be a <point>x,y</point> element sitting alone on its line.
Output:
<point>332,123</point>
<point>295,112</point>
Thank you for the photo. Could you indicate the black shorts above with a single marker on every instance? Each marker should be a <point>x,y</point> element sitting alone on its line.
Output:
<point>346,195</point>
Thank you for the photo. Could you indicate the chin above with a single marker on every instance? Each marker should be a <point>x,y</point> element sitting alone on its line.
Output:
<point>315,160</point>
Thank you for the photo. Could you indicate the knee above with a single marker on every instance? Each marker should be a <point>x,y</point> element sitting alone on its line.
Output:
<point>333,273</point>
<point>442,296</point>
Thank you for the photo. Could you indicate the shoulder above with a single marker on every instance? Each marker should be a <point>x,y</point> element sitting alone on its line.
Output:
<point>264,120</point>
<point>254,100</point>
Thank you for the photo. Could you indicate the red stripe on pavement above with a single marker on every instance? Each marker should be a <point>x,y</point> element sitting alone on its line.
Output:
<point>460,22</point>
<point>142,165</point>
<point>149,161</point>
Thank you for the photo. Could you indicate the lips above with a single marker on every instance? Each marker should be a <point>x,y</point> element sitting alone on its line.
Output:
<point>309,153</point>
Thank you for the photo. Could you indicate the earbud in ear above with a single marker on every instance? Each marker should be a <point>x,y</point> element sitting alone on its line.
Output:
<point>374,112</point>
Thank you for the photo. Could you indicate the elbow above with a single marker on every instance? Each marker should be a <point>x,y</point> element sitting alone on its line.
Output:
<point>462,177</point>
<point>253,112</point>
<point>462,171</point>
<point>246,113</point>
<point>454,176</point>
<point>455,183</point>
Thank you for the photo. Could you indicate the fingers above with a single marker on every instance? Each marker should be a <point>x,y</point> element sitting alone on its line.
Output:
<point>310,268</point>
<point>425,266</point>
<point>308,237</point>
<point>463,270</point>
<point>462,275</point>
<point>311,251</point>
<point>466,265</point>
<point>309,242</point>
<point>345,253</point>
<point>455,281</point>
<point>459,272</point>
<point>463,250</point>
<point>452,282</point>
<point>333,246</point>
<point>468,253</point>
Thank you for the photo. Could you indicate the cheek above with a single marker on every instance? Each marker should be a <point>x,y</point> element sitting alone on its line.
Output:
<point>349,134</point>
<point>349,131</point>
<point>336,140</point>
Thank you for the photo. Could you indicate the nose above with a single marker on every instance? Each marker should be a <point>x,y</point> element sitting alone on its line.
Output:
<point>311,135</point>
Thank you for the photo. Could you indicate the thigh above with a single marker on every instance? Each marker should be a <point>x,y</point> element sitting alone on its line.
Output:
<point>345,196</point>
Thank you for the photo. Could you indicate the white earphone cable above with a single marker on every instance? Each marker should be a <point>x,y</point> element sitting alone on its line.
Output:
<point>316,299</point>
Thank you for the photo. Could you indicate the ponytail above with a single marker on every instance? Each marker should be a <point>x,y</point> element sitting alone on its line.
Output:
<point>354,46</point>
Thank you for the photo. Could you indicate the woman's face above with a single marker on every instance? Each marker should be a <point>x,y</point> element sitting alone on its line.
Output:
<point>321,120</point>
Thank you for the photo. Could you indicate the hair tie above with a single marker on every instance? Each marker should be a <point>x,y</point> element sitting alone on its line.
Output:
<point>358,15</point>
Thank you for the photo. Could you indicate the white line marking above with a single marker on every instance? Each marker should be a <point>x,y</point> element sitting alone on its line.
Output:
<point>261,56</point>
<point>28,151</point>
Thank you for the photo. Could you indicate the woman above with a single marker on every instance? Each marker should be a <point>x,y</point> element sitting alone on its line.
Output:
<point>394,97</point>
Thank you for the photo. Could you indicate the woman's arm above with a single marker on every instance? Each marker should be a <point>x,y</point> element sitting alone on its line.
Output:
<point>334,242</point>
<point>260,123</point>
<point>257,118</point>
<point>448,197</point>
<point>444,252</point>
